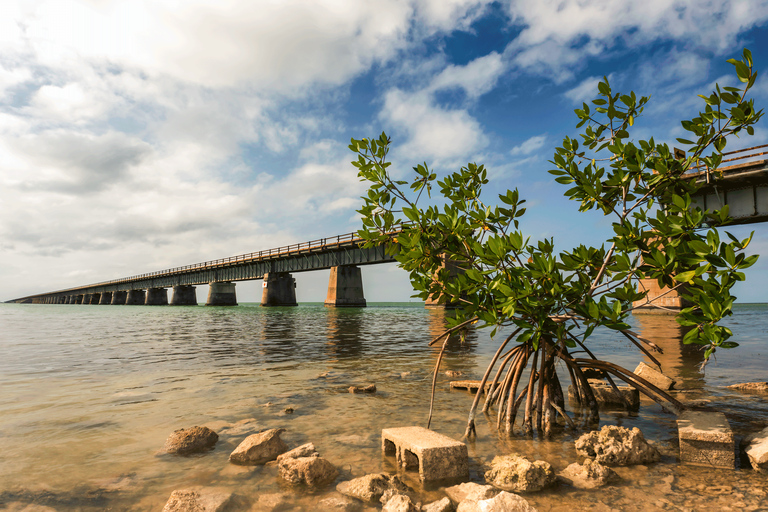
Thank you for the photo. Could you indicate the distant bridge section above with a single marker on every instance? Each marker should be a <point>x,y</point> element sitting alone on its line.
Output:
<point>343,254</point>
<point>742,186</point>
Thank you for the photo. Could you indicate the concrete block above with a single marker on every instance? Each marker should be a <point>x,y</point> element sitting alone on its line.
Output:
<point>654,376</point>
<point>135,297</point>
<point>184,296</point>
<point>278,289</point>
<point>156,297</point>
<point>706,439</point>
<point>437,457</point>
<point>607,397</point>
<point>470,385</point>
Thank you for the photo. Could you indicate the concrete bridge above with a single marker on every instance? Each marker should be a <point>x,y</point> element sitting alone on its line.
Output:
<point>343,254</point>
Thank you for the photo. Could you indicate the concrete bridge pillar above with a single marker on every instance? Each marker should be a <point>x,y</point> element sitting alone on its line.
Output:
<point>278,289</point>
<point>118,298</point>
<point>184,296</point>
<point>135,298</point>
<point>345,287</point>
<point>106,298</point>
<point>95,298</point>
<point>68,299</point>
<point>86,298</point>
<point>664,300</point>
<point>79,299</point>
<point>438,301</point>
<point>156,297</point>
<point>221,294</point>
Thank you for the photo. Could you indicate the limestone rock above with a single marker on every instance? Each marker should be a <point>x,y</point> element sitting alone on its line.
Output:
<point>340,503</point>
<point>617,446</point>
<point>443,505</point>
<point>757,450</point>
<point>516,473</point>
<point>314,471</point>
<point>454,373</point>
<point>186,441</point>
<point>197,500</point>
<point>589,475</point>
<point>654,376</point>
<point>370,388</point>
<point>305,450</point>
<point>755,387</point>
<point>399,503</point>
<point>502,502</point>
<point>470,491</point>
<point>259,448</point>
<point>370,488</point>
<point>272,502</point>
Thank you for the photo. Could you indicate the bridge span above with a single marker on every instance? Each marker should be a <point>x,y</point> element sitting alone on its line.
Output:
<point>343,254</point>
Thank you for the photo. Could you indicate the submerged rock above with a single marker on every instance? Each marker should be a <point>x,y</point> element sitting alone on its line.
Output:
<point>259,448</point>
<point>589,475</point>
<point>198,500</point>
<point>303,465</point>
<point>187,441</point>
<point>370,488</point>
<point>339,502</point>
<point>617,446</point>
<point>370,388</point>
<point>502,502</point>
<point>755,387</point>
<point>272,502</point>
<point>757,450</point>
<point>470,491</point>
<point>516,473</point>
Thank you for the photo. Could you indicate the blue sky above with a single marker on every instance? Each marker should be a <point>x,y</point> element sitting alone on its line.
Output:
<point>136,136</point>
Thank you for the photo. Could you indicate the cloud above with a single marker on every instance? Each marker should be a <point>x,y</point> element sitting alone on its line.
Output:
<point>475,78</point>
<point>529,146</point>
<point>585,91</point>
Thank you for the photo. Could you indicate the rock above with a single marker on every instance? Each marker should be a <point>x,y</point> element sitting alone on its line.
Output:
<point>187,441</point>
<point>589,475</point>
<point>399,503</point>
<point>470,491</point>
<point>454,373</point>
<point>370,388</point>
<point>617,446</point>
<point>757,450</point>
<point>339,502</point>
<point>313,471</point>
<point>516,473</point>
<point>305,450</point>
<point>288,410</point>
<point>607,397</point>
<point>755,387</point>
<point>654,376</point>
<point>370,488</point>
<point>502,502</point>
<point>443,505</point>
<point>706,439</point>
<point>259,448</point>
<point>272,502</point>
<point>197,500</point>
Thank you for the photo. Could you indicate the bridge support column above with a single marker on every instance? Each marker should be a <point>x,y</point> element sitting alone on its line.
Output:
<point>221,294</point>
<point>86,298</point>
<point>156,297</point>
<point>665,301</point>
<point>135,298</point>
<point>438,301</point>
<point>118,298</point>
<point>345,287</point>
<point>184,296</point>
<point>106,298</point>
<point>95,298</point>
<point>279,289</point>
<point>78,299</point>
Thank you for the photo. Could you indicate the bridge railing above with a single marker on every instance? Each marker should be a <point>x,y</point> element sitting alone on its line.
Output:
<point>743,156</point>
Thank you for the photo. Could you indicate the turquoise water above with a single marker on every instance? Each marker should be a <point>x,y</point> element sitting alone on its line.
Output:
<point>89,394</point>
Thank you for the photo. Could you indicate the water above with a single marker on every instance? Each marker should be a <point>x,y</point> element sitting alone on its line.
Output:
<point>89,395</point>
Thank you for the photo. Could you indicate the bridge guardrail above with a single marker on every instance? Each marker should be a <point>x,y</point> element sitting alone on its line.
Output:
<point>755,152</point>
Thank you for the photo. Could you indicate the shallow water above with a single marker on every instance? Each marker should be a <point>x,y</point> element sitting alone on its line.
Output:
<point>89,395</point>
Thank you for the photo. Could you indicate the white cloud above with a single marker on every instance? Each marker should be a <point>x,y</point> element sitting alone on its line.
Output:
<point>475,78</point>
<point>434,133</point>
<point>529,146</point>
<point>585,91</point>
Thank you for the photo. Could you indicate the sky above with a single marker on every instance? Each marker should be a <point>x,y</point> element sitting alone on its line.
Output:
<point>142,135</point>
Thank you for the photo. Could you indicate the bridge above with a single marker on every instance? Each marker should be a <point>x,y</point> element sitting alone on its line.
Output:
<point>742,186</point>
<point>343,254</point>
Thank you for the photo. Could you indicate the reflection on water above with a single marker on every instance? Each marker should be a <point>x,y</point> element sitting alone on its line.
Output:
<point>90,394</point>
<point>679,361</point>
